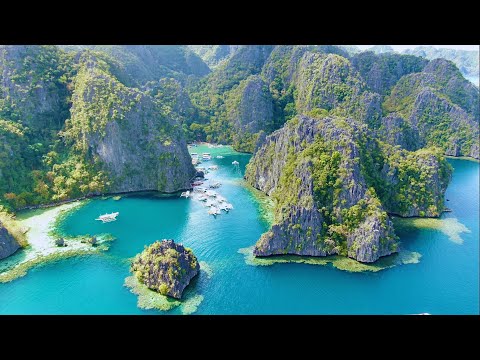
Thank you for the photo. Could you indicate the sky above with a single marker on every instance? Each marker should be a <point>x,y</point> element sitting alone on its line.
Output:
<point>400,48</point>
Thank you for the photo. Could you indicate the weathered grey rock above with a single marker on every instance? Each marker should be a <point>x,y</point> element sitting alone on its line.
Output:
<point>214,55</point>
<point>298,227</point>
<point>372,240</point>
<point>397,131</point>
<point>138,146</point>
<point>36,98</point>
<point>381,72</point>
<point>250,110</point>
<point>166,267</point>
<point>8,245</point>
<point>92,241</point>
<point>252,106</point>
<point>448,80</point>
<point>462,130</point>
<point>440,106</point>
<point>426,200</point>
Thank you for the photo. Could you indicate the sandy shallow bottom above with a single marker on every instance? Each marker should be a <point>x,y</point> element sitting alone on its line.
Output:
<point>41,239</point>
<point>149,299</point>
<point>339,262</point>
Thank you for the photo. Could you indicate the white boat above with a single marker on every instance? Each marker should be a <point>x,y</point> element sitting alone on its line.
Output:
<point>108,217</point>
<point>235,162</point>
<point>220,198</point>
<point>224,207</point>
<point>214,185</point>
<point>214,211</point>
<point>211,193</point>
<point>213,167</point>
<point>228,206</point>
<point>202,198</point>
<point>185,194</point>
<point>206,156</point>
<point>425,313</point>
<point>219,157</point>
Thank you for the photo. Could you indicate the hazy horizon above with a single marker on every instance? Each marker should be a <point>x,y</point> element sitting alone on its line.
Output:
<point>401,48</point>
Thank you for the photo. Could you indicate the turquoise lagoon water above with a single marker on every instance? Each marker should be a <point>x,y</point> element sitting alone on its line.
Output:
<point>446,281</point>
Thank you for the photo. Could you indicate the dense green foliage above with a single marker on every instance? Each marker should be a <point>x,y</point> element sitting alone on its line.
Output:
<point>405,181</point>
<point>44,152</point>
<point>139,64</point>
<point>326,165</point>
<point>440,104</point>
<point>214,55</point>
<point>161,267</point>
<point>383,71</point>
<point>54,102</point>
<point>417,180</point>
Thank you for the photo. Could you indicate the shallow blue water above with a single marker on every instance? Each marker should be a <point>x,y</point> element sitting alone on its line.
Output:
<point>446,281</point>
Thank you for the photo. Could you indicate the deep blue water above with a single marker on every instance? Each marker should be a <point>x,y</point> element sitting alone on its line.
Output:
<point>446,281</point>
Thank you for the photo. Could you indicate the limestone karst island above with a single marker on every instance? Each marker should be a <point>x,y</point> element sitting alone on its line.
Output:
<point>239,179</point>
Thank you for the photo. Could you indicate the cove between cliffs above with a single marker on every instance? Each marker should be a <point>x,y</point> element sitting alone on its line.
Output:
<point>44,223</point>
<point>71,286</point>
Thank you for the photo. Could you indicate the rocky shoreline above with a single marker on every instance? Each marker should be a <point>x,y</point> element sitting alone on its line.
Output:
<point>42,247</point>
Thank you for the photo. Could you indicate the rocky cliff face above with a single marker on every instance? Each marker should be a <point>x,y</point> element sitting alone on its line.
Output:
<point>332,183</point>
<point>71,126</point>
<point>397,131</point>
<point>413,183</point>
<point>250,110</point>
<point>166,267</point>
<point>8,245</point>
<point>125,133</point>
<point>381,72</point>
<point>440,106</point>
<point>214,55</point>
<point>330,82</point>
<point>139,64</point>
<point>391,93</point>
<point>32,90</point>
<point>323,205</point>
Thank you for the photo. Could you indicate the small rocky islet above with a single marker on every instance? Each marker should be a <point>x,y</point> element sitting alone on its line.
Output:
<point>340,141</point>
<point>165,267</point>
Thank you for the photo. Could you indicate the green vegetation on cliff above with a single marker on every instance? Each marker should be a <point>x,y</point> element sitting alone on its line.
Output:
<point>165,267</point>
<point>55,111</point>
<point>336,185</point>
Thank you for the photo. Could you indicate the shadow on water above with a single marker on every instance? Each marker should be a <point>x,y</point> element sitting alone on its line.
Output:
<point>9,262</point>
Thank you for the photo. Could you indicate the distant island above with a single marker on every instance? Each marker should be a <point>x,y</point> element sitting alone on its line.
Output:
<point>467,61</point>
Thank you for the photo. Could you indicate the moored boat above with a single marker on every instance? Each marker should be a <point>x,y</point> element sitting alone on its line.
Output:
<point>185,194</point>
<point>108,217</point>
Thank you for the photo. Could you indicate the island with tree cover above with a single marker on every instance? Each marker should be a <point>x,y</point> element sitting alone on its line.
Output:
<point>342,141</point>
